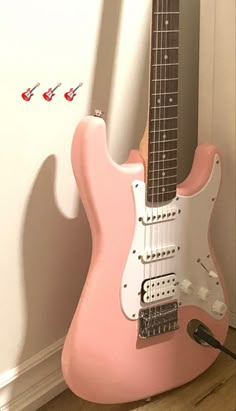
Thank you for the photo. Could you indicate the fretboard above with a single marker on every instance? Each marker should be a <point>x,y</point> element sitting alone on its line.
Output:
<point>163,107</point>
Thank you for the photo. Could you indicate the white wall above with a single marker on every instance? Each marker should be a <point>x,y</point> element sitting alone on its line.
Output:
<point>217,124</point>
<point>44,237</point>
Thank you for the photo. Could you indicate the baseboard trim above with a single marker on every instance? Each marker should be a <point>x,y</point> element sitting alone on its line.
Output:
<point>33,383</point>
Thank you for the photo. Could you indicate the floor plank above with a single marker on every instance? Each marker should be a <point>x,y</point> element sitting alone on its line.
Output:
<point>213,390</point>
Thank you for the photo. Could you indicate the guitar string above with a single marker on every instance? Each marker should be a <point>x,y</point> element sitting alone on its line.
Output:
<point>166,224</point>
<point>150,251</point>
<point>162,81</point>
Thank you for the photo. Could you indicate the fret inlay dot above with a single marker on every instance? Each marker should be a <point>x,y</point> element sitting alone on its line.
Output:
<point>166,22</point>
<point>159,101</point>
<point>164,156</point>
<point>163,173</point>
<point>163,189</point>
<point>171,100</point>
<point>164,137</point>
<point>166,57</point>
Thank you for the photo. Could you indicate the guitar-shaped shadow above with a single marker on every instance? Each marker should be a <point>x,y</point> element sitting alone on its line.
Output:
<point>55,259</point>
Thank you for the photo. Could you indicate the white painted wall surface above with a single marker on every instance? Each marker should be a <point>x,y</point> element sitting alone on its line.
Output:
<point>217,125</point>
<point>44,237</point>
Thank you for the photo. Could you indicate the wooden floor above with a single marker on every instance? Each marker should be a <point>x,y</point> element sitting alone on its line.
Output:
<point>215,390</point>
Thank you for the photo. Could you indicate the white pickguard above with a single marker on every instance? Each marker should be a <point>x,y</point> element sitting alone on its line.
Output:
<point>187,231</point>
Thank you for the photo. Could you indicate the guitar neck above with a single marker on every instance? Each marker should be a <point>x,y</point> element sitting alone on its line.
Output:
<point>163,104</point>
<point>34,88</point>
<point>58,85</point>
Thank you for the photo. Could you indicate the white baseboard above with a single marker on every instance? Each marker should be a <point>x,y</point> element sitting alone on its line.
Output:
<point>33,383</point>
<point>232,320</point>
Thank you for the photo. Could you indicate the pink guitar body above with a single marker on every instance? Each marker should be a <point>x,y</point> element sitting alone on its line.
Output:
<point>104,360</point>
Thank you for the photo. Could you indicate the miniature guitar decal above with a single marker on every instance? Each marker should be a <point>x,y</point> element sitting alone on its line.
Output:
<point>29,93</point>
<point>69,96</point>
<point>48,95</point>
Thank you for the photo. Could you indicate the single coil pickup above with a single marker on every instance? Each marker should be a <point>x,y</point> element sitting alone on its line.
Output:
<point>155,215</point>
<point>160,254</point>
<point>158,288</point>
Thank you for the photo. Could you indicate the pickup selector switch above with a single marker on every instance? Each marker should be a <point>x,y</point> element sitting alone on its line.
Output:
<point>212,274</point>
<point>203,293</point>
<point>219,307</point>
<point>186,286</point>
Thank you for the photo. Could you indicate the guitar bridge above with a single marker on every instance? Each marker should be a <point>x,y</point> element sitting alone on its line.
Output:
<point>158,320</point>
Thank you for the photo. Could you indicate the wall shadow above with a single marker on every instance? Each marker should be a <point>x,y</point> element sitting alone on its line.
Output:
<point>56,250</point>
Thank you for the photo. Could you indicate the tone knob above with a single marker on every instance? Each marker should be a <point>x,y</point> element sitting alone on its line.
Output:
<point>212,274</point>
<point>203,293</point>
<point>186,286</point>
<point>219,307</point>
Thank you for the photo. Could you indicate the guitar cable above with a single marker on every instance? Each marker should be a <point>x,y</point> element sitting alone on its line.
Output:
<point>202,335</point>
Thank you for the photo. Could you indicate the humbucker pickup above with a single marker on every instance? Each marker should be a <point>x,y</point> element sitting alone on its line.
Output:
<point>158,320</point>
<point>158,288</point>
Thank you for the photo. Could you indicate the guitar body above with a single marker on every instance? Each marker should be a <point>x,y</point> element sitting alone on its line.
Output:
<point>26,96</point>
<point>69,95</point>
<point>48,96</point>
<point>104,360</point>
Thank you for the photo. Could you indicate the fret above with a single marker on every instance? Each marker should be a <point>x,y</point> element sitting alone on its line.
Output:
<point>163,119</point>
<point>162,107</point>
<point>163,151</point>
<point>157,94</point>
<point>165,79</point>
<point>159,131</point>
<point>161,173</point>
<point>166,64</point>
<point>163,142</point>
<point>166,12</point>
<point>162,163</point>
<point>163,125</point>
<point>166,31</point>
<point>163,178</point>
<point>159,187</point>
<point>163,170</point>
<point>161,138</point>
<point>162,146</point>
<point>165,48</point>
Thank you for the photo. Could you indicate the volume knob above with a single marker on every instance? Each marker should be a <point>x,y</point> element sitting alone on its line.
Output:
<point>203,293</point>
<point>186,286</point>
<point>219,307</point>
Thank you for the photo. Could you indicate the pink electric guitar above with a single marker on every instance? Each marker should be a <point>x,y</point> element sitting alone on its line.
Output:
<point>153,277</point>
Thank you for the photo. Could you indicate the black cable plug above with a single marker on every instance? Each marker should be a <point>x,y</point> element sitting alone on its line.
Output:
<point>201,334</point>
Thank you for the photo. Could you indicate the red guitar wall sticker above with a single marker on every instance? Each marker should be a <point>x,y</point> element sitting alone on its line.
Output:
<point>29,93</point>
<point>48,95</point>
<point>69,96</point>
